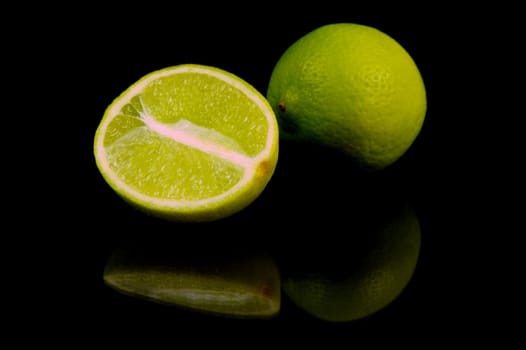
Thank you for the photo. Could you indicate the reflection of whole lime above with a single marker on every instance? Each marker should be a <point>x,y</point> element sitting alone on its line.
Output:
<point>350,87</point>
<point>357,281</point>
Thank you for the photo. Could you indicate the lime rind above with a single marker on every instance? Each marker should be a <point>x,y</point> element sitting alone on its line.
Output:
<point>352,88</point>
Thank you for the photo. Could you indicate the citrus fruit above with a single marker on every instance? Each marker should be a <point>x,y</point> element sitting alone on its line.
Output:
<point>236,284</point>
<point>364,272</point>
<point>350,87</point>
<point>188,143</point>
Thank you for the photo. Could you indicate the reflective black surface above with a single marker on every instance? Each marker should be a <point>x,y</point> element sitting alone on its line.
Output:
<point>314,205</point>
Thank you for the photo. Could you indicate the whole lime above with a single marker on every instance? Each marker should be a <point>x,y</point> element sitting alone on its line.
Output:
<point>350,87</point>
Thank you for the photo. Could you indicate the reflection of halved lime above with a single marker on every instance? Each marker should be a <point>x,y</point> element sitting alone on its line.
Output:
<point>360,279</point>
<point>238,286</point>
<point>188,143</point>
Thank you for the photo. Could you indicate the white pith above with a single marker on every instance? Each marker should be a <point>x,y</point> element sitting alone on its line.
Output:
<point>196,142</point>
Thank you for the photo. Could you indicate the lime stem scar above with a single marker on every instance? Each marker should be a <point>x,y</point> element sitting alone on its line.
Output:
<point>281,106</point>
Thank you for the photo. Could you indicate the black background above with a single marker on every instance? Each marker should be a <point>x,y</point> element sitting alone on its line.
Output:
<point>91,56</point>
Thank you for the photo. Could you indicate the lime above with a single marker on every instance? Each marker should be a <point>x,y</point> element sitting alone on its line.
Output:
<point>188,143</point>
<point>350,87</point>
<point>242,285</point>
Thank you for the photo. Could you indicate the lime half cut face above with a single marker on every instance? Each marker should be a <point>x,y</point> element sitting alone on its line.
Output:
<point>188,143</point>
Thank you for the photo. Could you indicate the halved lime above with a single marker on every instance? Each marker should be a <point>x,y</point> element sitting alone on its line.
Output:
<point>188,143</point>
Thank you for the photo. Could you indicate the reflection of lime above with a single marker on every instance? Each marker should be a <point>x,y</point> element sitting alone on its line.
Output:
<point>362,279</point>
<point>188,143</point>
<point>240,286</point>
<point>350,87</point>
